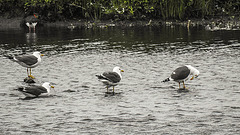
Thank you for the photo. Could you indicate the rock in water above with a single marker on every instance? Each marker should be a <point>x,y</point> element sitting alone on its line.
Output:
<point>29,80</point>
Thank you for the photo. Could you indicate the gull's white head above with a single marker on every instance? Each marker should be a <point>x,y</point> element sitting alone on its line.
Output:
<point>193,71</point>
<point>37,54</point>
<point>118,70</point>
<point>48,86</point>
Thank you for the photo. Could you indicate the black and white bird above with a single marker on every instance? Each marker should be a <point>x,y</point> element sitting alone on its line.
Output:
<point>31,25</point>
<point>111,79</point>
<point>28,61</point>
<point>31,21</point>
<point>34,91</point>
<point>182,74</point>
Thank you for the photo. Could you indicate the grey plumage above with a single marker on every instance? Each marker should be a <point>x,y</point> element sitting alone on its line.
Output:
<point>110,76</point>
<point>34,90</point>
<point>29,60</point>
<point>180,73</point>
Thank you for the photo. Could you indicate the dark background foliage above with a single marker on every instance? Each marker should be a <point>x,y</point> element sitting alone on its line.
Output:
<point>53,10</point>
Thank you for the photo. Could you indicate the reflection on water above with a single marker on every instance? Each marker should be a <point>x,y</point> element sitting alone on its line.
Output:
<point>143,104</point>
<point>31,38</point>
<point>143,39</point>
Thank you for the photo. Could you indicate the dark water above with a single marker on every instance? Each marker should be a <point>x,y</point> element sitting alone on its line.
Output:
<point>142,104</point>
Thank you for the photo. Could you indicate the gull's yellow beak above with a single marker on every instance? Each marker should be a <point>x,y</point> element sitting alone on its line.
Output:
<point>195,76</point>
<point>52,86</point>
<point>42,54</point>
<point>122,70</point>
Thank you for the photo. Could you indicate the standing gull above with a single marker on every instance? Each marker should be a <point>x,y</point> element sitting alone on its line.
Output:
<point>28,61</point>
<point>111,78</point>
<point>35,91</point>
<point>182,74</point>
<point>31,21</point>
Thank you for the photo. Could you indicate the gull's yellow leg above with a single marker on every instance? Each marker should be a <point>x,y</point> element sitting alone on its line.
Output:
<point>179,84</point>
<point>27,72</point>
<point>184,86</point>
<point>31,74</point>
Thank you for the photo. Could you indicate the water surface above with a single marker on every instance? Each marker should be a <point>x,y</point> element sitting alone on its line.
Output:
<point>142,103</point>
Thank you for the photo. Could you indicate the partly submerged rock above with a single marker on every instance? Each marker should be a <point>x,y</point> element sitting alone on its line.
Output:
<point>29,80</point>
<point>69,90</point>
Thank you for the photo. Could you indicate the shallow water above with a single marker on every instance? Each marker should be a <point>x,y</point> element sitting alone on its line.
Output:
<point>142,103</point>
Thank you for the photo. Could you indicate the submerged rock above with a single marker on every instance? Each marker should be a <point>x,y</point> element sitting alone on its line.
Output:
<point>69,90</point>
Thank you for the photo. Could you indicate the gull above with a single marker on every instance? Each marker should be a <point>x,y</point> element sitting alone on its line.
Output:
<point>182,74</point>
<point>34,90</point>
<point>28,61</point>
<point>111,79</point>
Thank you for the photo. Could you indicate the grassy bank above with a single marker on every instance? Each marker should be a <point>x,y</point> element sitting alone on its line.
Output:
<point>55,10</point>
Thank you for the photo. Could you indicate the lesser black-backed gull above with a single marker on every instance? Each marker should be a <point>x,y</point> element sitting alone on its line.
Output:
<point>111,79</point>
<point>28,61</point>
<point>35,91</point>
<point>182,74</point>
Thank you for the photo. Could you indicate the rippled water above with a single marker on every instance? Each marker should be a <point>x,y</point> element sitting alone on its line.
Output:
<point>142,103</point>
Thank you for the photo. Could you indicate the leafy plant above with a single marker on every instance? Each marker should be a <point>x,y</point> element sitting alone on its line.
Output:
<point>52,10</point>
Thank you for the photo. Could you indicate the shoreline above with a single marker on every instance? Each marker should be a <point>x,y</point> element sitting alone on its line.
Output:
<point>211,24</point>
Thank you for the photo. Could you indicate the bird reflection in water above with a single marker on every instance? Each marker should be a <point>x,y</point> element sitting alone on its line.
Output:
<point>31,37</point>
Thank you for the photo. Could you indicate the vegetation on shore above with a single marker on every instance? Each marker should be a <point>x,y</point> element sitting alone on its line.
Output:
<point>53,10</point>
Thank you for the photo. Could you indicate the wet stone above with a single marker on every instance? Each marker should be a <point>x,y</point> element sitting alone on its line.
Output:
<point>29,80</point>
<point>110,93</point>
